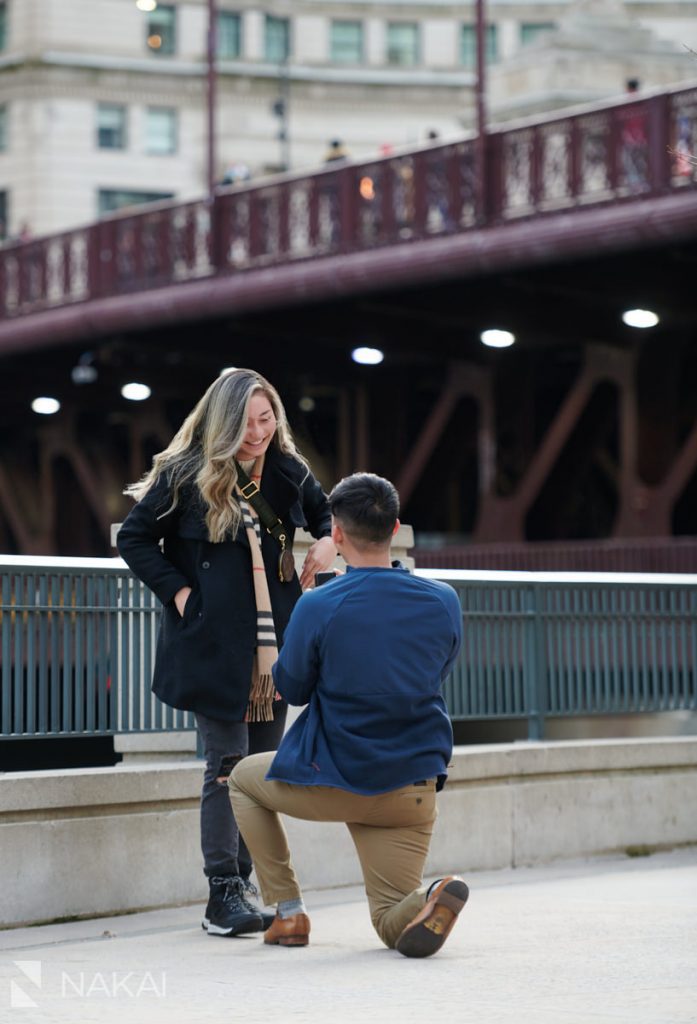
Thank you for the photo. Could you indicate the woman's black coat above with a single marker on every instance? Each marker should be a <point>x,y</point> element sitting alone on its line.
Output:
<point>204,659</point>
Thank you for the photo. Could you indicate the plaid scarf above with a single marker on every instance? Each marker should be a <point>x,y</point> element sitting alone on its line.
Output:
<point>262,693</point>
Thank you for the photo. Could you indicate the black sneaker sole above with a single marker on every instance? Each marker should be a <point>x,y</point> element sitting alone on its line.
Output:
<point>266,921</point>
<point>246,925</point>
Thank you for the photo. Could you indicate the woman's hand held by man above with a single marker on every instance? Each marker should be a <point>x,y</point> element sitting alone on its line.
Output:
<point>319,558</point>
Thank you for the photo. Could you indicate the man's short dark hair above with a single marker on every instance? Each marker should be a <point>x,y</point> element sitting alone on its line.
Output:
<point>366,507</point>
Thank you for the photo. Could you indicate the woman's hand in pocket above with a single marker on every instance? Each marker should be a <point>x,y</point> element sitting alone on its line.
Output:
<point>180,599</point>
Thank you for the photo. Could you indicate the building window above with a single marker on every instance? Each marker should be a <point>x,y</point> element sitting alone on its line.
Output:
<point>110,199</point>
<point>530,31</point>
<point>346,42</point>
<point>276,39</point>
<point>111,126</point>
<point>161,131</point>
<point>3,128</point>
<point>3,25</point>
<point>403,43</point>
<point>468,45</point>
<point>229,35</point>
<point>161,35</point>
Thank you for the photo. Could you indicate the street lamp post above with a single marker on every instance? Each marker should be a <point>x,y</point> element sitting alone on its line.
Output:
<point>281,108</point>
<point>211,97</point>
<point>480,93</point>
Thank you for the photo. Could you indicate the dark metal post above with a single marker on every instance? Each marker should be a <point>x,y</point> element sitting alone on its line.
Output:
<point>211,89</point>
<point>534,664</point>
<point>282,109</point>
<point>480,94</point>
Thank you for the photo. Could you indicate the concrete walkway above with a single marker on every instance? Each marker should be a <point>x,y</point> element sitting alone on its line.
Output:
<point>595,942</point>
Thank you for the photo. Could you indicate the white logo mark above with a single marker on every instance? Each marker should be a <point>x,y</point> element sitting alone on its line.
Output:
<point>31,969</point>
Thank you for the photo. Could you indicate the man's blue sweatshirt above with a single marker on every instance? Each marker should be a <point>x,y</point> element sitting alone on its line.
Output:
<point>368,653</point>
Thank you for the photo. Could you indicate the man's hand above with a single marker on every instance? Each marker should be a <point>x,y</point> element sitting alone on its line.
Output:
<point>180,599</point>
<point>318,559</point>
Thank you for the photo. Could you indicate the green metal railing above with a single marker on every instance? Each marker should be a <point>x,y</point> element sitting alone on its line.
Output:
<point>77,642</point>
<point>542,645</point>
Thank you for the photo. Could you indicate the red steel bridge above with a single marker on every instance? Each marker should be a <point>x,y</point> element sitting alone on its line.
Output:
<point>582,431</point>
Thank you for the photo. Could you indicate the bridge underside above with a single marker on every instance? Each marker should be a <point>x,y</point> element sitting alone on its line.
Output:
<point>586,428</point>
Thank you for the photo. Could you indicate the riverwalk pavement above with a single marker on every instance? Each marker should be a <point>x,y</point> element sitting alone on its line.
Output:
<point>603,941</point>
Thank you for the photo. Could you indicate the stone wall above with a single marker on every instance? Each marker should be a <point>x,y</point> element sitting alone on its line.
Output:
<point>97,841</point>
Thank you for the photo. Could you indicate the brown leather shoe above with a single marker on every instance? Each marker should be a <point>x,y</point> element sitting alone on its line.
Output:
<point>430,928</point>
<point>288,931</point>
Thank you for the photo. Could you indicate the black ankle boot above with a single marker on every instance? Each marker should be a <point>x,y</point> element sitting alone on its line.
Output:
<point>228,912</point>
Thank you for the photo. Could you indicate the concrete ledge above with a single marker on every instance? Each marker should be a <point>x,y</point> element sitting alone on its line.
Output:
<point>141,747</point>
<point>512,760</point>
<point>106,840</point>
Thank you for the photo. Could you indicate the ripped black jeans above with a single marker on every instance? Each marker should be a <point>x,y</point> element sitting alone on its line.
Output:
<point>224,850</point>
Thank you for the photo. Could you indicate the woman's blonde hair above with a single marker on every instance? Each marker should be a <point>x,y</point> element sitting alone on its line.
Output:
<point>204,448</point>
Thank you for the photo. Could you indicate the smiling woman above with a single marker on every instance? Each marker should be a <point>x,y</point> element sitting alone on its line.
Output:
<point>225,606</point>
<point>261,427</point>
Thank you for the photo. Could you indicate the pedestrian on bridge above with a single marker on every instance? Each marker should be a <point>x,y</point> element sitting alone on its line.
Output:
<point>367,653</point>
<point>225,499</point>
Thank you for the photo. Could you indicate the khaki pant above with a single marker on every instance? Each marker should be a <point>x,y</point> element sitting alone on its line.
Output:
<point>391,832</point>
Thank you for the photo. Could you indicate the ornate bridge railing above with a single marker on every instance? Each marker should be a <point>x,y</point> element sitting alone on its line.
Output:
<point>607,154</point>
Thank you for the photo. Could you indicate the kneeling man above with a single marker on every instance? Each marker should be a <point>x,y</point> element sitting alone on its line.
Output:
<point>368,653</point>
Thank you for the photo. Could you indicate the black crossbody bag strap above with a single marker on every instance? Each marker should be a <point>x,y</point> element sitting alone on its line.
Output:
<point>249,490</point>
